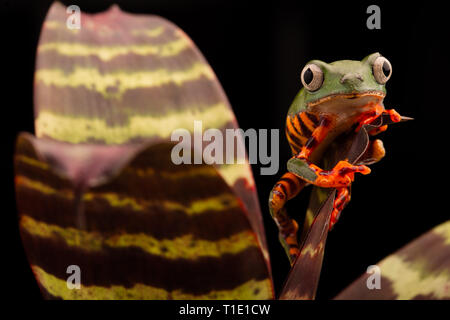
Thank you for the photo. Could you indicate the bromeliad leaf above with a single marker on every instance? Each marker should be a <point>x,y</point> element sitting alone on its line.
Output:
<point>139,234</point>
<point>125,79</point>
<point>420,270</point>
<point>97,188</point>
<point>301,283</point>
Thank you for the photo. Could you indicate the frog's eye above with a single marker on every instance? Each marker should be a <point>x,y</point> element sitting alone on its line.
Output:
<point>382,70</point>
<point>312,77</point>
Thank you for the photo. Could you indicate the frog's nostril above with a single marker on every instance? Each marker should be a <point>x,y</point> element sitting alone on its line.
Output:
<point>351,77</point>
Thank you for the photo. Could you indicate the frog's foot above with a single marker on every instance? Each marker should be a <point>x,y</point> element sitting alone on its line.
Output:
<point>289,241</point>
<point>394,115</point>
<point>342,175</point>
<point>341,200</point>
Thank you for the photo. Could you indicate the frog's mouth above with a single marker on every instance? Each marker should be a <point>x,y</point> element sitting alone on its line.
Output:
<point>345,103</point>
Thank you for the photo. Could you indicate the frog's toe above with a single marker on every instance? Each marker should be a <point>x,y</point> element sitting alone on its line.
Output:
<point>394,115</point>
<point>342,175</point>
<point>345,168</point>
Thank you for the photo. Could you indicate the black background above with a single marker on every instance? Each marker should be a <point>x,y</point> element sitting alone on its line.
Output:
<point>257,50</point>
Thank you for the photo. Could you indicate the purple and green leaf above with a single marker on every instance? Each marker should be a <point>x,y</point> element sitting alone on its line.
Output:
<point>97,187</point>
<point>419,271</point>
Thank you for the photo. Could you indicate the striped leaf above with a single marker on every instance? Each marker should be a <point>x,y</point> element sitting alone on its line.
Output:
<point>420,270</point>
<point>97,187</point>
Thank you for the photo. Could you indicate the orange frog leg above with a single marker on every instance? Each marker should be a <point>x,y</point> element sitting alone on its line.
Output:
<point>341,200</point>
<point>285,189</point>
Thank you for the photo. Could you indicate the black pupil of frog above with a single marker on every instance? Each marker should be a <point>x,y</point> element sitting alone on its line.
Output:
<point>386,69</point>
<point>308,76</point>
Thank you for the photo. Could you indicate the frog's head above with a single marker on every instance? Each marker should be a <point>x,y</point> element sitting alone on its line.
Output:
<point>345,84</point>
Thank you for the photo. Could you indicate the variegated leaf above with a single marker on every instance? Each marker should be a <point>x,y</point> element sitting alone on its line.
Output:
<point>97,187</point>
<point>420,270</point>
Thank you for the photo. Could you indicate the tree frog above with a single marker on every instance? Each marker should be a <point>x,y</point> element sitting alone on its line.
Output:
<point>336,97</point>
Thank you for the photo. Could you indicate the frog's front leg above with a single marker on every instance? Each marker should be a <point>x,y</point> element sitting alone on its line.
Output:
<point>285,189</point>
<point>340,176</point>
